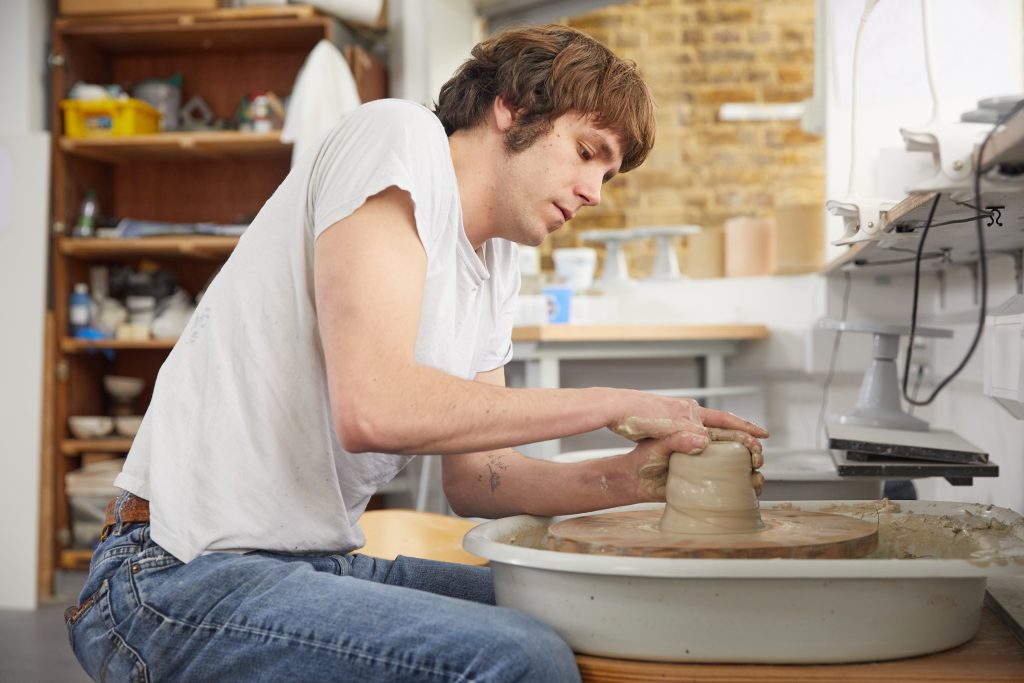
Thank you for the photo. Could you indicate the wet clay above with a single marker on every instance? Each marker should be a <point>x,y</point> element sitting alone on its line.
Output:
<point>712,512</point>
<point>711,493</point>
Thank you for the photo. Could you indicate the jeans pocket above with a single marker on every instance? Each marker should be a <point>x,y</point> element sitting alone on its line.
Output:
<point>99,648</point>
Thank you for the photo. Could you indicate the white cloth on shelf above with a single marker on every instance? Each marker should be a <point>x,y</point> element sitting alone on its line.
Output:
<point>324,91</point>
<point>359,11</point>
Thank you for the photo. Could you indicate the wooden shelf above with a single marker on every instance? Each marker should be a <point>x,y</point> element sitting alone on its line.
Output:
<point>191,246</point>
<point>893,251</point>
<point>72,345</point>
<point>229,29</point>
<point>75,559</point>
<point>108,445</point>
<point>618,333</point>
<point>219,144</point>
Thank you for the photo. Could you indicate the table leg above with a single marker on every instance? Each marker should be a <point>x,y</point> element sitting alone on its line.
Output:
<point>712,374</point>
<point>545,373</point>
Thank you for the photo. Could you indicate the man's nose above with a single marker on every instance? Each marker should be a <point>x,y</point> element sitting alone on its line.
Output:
<point>589,190</point>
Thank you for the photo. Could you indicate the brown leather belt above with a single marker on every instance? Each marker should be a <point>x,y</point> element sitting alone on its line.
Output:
<point>133,510</point>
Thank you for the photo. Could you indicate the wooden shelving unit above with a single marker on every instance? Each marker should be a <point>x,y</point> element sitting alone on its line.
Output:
<point>216,176</point>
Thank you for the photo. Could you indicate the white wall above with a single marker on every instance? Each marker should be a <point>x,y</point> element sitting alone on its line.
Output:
<point>24,193</point>
<point>427,42</point>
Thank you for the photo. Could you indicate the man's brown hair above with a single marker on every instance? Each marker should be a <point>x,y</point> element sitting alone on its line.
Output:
<point>542,72</point>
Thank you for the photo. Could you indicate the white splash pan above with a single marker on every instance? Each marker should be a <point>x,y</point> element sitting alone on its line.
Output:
<point>920,592</point>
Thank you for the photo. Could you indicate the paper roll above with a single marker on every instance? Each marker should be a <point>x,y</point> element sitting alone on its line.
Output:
<point>749,246</point>
<point>360,11</point>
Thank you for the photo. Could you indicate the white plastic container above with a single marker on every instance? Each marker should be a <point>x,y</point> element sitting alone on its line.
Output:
<point>88,489</point>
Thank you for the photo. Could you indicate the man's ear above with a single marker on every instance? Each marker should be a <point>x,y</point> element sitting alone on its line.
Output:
<point>504,116</point>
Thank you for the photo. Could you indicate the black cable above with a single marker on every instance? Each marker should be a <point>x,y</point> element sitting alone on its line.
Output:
<point>890,262</point>
<point>964,220</point>
<point>917,386</point>
<point>913,308</point>
<point>982,274</point>
<point>832,359</point>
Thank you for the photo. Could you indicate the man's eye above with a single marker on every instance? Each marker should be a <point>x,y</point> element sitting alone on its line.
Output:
<point>585,153</point>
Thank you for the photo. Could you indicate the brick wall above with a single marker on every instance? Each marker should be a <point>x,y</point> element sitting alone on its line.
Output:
<point>696,55</point>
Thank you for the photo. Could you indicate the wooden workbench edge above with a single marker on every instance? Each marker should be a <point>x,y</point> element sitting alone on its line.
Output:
<point>638,333</point>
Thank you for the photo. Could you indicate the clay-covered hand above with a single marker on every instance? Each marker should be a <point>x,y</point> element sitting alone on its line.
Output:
<point>757,481</point>
<point>657,417</point>
<point>650,458</point>
<point>660,416</point>
<point>752,444</point>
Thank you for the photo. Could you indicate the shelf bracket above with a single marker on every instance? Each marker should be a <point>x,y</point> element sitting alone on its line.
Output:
<point>941,276</point>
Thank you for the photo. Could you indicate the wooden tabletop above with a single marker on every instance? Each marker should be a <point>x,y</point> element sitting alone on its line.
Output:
<point>637,333</point>
<point>994,654</point>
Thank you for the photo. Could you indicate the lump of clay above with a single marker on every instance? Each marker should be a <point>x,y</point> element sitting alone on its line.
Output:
<point>711,493</point>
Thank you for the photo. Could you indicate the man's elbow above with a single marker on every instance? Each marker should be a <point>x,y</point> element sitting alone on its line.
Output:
<point>458,503</point>
<point>359,431</point>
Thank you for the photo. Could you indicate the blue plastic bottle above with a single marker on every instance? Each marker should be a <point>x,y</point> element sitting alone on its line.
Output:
<point>80,310</point>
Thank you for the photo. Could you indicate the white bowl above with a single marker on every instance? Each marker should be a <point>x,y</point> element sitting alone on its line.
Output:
<point>884,606</point>
<point>90,426</point>
<point>123,388</point>
<point>127,425</point>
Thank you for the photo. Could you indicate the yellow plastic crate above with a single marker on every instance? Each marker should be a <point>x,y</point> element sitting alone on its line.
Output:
<point>106,118</point>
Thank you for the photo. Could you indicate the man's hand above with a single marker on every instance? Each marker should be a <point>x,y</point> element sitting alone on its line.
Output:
<point>651,458</point>
<point>689,428</point>
<point>693,425</point>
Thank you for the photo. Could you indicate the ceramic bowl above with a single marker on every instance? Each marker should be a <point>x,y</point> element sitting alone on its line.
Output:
<point>123,388</point>
<point>90,426</point>
<point>127,425</point>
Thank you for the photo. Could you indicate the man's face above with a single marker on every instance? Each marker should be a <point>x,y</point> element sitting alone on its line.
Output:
<point>549,181</point>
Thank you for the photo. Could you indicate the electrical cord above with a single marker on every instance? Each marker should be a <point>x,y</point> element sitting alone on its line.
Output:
<point>889,262</point>
<point>832,359</point>
<point>918,378</point>
<point>982,275</point>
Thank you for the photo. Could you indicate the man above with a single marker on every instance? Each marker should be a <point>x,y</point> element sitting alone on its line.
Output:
<point>364,318</point>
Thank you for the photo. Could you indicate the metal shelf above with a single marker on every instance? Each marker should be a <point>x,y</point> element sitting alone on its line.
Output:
<point>904,222</point>
<point>893,251</point>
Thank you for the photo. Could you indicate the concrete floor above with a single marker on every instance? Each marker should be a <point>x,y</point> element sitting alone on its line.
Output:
<point>34,645</point>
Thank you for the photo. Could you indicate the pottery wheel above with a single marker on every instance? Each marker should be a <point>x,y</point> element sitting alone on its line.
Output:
<point>787,534</point>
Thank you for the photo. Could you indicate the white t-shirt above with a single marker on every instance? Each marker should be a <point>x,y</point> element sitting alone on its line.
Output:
<point>237,450</point>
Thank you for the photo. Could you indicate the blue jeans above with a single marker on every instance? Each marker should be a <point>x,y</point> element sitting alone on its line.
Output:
<point>145,616</point>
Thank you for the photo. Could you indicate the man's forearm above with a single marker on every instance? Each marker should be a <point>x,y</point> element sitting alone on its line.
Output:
<point>505,482</point>
<point>429,412</point>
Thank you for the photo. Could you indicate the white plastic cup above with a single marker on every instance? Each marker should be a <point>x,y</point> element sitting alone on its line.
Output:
<point>576,266</point>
